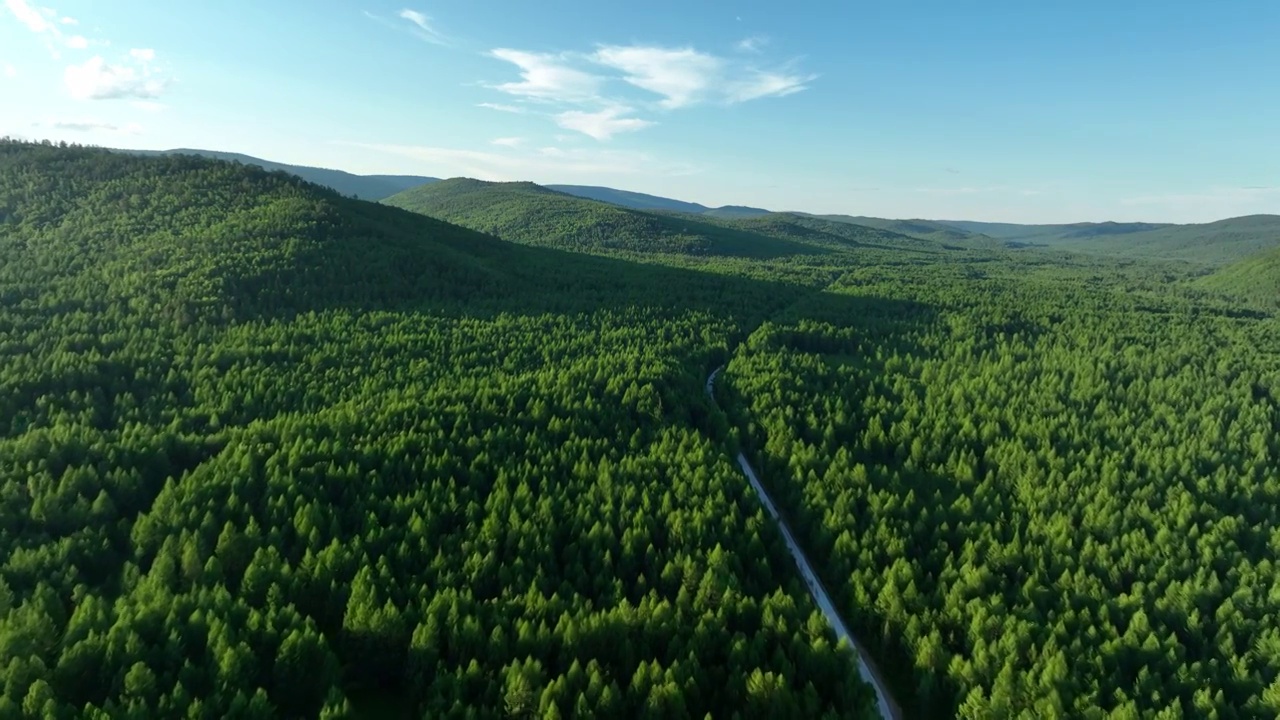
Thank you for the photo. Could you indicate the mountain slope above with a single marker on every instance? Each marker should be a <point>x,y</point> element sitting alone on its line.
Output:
<point>535,215</point>
<point>924,229</point>
<point>626,198</point>
<point>1255,278</point>
<point>1216,243</point>
<point>642,201</point>
<point>267,451</point>
<point>365,187</point>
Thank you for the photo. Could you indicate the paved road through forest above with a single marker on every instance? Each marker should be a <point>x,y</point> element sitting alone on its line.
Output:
<point>866,667</point>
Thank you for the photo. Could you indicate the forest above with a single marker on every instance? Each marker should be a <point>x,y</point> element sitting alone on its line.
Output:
<point>269,451</point>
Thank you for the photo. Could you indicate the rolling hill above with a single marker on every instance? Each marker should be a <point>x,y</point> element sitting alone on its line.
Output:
<point>1256,278</point>
<point>924,229</point>
<point>642,201</point>
<point>536,215</point>
<point>365,187</point>
<point>268,451</point>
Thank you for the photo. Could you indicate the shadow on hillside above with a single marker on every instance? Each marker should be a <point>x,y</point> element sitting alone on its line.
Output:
<point>395,260</point>
<point>833,331</point>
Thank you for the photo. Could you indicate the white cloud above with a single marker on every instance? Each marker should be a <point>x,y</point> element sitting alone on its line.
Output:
<point>507,141</point>
<point>10,71</point>
<point>753,44</point>
<point>146,55</point>
<point>601,125</point>
<point>44,21</point>
<point>766,84</point>
<point>682,76</point>
<point>547,77</point>
<point>504,108</point>
<point>96,79</point>
<point>544,164</point>
<point>35,20</point>
<point>423,27</point>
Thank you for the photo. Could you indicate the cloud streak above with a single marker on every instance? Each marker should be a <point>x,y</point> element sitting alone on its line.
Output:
<point>547,77</point>
<point>585,85</point>
<point>601,125</point>
<point>422,27</point>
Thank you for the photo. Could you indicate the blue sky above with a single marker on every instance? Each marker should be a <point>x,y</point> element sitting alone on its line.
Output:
<point>992,110</point>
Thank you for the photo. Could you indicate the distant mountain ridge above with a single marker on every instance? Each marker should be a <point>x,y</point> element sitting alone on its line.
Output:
<point>364,187</point>
<point>1213,244</point>
<point>643,201</point>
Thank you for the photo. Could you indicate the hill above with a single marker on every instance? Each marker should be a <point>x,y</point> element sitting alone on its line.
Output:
<point>633,200</point>
<point>536,215</point>
<point>642,201</point>
<point>268,451</point>
<point>924,229</point>
<point>365,187</point>
<point>1214,244</point>
<point>1047,233</point>
<point>819,231</point>
<point>1256,278</point>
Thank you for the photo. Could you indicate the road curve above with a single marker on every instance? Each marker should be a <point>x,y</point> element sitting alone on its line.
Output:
<point>889,710</point>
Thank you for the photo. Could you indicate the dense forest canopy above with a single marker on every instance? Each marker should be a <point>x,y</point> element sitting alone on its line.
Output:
<point>267,451</point>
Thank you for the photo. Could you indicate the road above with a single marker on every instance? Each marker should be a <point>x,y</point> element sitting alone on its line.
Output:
<point>866,667</point>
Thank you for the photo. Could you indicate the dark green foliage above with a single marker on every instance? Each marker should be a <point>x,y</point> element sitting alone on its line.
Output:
<point>924,229</point>
<point>266,451</point>
<point>1214,244</point>
<point>365,187</point>
<point>532,214</point>
<point>1035,496</point>
<point>642,201</point>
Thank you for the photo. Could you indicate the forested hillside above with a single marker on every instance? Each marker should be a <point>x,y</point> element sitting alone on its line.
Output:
<point>1209,244</point>
<point>1255,278</point>
<point>365,187</point>
<point>532,214</point>
<point>1038,495</point>
<point>267,451</point>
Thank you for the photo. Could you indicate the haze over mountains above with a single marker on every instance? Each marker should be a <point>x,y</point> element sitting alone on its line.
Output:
<point>1212,244</point>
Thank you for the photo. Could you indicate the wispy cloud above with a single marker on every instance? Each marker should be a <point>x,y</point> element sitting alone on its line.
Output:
<point>590,88</point>
<point>515,109</point>
<point>752,44</point>
<point>507,141</point>
<point>44,21</point>
<point>547,164</point>
<point>132,78</point>
<point>10,71</point>
<point>682,76</point>
<point>423,27</point>
<point>761,84</point>
<point>547,77</point>
<point>601,125</point>
<point>685,76</point>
